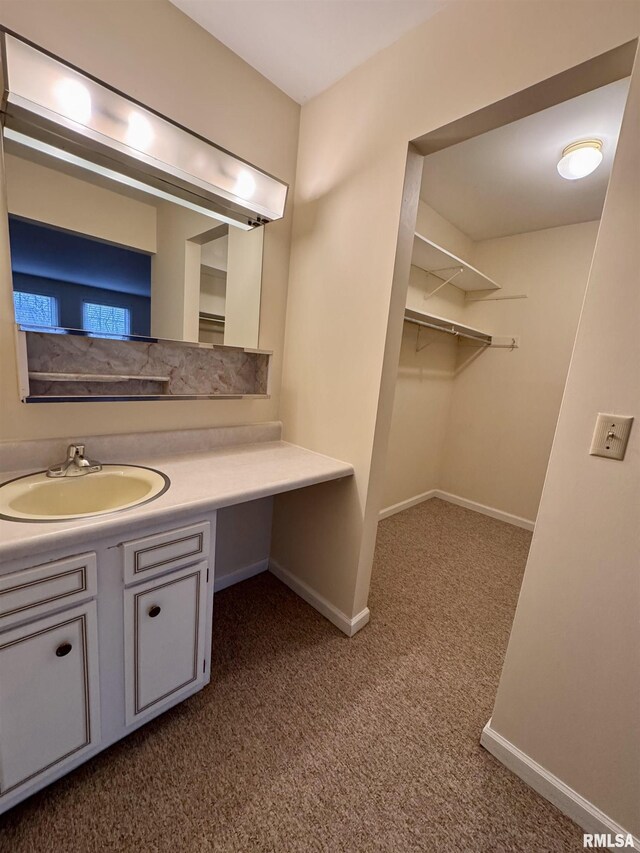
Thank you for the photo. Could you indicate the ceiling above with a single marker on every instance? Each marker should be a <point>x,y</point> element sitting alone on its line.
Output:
<point>304,46</point>
<point>506,182</point>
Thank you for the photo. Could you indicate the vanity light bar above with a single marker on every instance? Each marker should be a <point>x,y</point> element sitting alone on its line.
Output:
<point>59,106</point>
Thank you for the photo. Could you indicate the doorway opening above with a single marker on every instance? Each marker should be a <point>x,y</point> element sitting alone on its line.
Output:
<point>499,266</point>
<point>492,263</point>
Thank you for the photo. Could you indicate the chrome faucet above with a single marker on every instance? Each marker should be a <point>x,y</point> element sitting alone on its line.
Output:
<point>75,465</point>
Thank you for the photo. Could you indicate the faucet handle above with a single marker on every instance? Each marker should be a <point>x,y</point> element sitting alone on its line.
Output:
<point>75,464</point>
<point>88,466</point>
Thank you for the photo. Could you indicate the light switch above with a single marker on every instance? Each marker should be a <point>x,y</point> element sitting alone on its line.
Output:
<point>610,436</point>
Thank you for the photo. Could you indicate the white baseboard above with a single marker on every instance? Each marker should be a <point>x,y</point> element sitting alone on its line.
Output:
<point>507,517</point>
<point>240,574</point>
<point>329,611</point>
<point>574,805</point>
<point>516,520</point>
<point>418,499</point>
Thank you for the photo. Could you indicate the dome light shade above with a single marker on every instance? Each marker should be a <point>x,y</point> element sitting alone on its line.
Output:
<point>580,159</point>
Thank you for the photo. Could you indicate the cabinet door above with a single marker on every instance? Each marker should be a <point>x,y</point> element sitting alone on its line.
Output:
<point>164,640</point>
<point>49,701</point>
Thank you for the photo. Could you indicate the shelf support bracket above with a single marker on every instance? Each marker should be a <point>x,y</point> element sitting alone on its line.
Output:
<point>444,282</point>
<point>424,346</point>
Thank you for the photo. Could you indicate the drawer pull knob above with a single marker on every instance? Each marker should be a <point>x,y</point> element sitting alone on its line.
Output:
<point>154,611</point>
<point>63,650</point>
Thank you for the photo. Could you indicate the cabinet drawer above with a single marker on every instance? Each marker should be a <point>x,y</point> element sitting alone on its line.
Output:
<point>165,551</point>
<point>164,640</point>
<point>44,589</point>
<point>49,701</point>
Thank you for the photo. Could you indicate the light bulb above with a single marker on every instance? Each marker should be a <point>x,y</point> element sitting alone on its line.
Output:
<point>245,185</point>
<point>580,159</point>
<point>74,100</point>
<point>139,131</point>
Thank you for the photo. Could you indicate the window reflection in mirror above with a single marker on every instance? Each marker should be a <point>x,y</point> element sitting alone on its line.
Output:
<point>77,282</point>
<point>88,253</point>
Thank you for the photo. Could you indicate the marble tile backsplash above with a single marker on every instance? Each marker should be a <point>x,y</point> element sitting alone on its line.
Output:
<point>174,369</point>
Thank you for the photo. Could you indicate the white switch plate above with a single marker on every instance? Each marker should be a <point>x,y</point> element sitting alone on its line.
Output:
<point>610,436</point>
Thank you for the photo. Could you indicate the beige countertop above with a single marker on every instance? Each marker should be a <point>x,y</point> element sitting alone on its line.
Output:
<point>199,482</point>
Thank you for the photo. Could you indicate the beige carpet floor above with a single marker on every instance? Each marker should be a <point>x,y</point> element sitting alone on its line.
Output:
<point>308,741</point>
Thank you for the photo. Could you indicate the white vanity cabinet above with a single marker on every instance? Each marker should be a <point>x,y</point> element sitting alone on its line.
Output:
<point>94,645</point>
<point>164,617</point>
<point>49,676</point>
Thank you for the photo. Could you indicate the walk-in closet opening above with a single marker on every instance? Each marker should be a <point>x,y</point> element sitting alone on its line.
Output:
<point>499,267</point>
<point>504,237</point>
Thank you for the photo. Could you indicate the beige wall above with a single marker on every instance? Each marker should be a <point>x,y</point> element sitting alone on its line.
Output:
<point>243,536</point>
<point>505,403</point>
<point>569,694</point>
<point>157,55</point>
<point>212,291</point>
<point>421,406</point>
<point>244,271</point>
<point>426,372</point>
<point>176,273</point>
<point>436,228</point>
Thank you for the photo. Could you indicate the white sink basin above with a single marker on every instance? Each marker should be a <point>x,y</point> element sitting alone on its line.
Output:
<point>37,497</point>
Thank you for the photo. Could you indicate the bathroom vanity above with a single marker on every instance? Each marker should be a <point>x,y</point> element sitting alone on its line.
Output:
<point>106,621</point>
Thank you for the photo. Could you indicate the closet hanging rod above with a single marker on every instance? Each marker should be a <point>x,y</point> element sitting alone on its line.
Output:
<point>458,331</point>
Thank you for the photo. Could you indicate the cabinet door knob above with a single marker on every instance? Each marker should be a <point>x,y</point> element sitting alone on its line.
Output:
<point>63,650</point>
<point>154,611</point>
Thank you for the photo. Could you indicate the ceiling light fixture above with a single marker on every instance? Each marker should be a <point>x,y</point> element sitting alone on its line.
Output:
<point>580,159</point>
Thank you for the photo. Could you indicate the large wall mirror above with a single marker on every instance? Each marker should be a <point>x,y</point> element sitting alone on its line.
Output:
<point>95,254</point>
